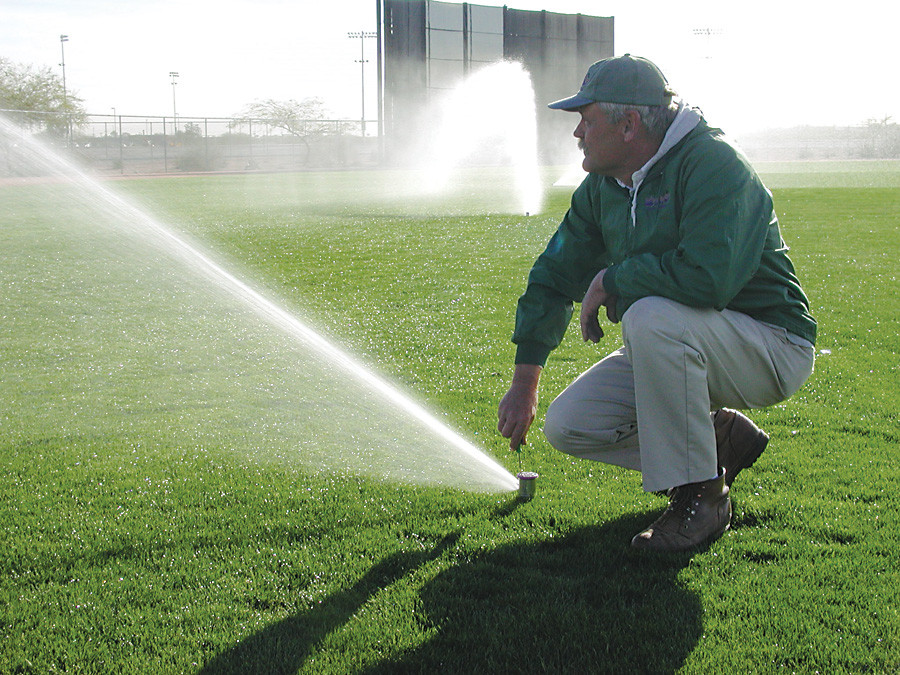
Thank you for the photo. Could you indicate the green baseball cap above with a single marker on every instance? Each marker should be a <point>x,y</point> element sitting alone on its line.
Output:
<point>621,79</point>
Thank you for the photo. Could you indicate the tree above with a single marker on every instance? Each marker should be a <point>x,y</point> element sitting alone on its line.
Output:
<point>304,119</point>
<point>39,94</point>
<point>301,119</point>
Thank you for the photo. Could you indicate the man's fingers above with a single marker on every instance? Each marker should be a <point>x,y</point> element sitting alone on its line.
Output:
<point>517,439</point>
<point>593,300</point>
<point>518,406</point>
<point>514,431</point>
<point>611,308</point>
<point>590,324</point>
<point>514,426</point>
<point>588,319</point>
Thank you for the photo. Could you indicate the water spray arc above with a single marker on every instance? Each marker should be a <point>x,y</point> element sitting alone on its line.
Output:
<point>150,229</point>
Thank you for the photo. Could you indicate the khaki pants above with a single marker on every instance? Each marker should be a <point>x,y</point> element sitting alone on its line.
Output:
<point>646,406</point>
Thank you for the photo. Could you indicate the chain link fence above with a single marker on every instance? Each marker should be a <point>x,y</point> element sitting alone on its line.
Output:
<point>147,145</point>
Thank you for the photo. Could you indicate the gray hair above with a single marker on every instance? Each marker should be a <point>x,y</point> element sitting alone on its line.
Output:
<point>656,118</point>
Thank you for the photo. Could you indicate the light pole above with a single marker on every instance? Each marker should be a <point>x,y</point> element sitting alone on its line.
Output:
<point>174,77</point>
<point>63,39</point>
<point>106,140</point>
<point>362,35</point>
<point>709,34</point>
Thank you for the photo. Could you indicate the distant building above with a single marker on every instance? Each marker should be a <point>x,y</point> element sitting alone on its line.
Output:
<point>427,47</point>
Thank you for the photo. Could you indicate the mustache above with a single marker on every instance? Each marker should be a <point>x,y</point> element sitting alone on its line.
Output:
<point>581,145</point>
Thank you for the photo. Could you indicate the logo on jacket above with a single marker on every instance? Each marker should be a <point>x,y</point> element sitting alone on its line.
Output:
<point>657,202</point>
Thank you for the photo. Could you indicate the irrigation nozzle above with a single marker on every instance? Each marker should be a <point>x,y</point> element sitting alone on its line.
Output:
<point>527,484</point>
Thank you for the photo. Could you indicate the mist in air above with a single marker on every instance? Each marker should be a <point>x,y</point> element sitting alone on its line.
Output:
<point>148,340</point>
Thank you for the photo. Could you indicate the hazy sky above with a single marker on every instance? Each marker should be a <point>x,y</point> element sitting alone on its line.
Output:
<point>769,63</point>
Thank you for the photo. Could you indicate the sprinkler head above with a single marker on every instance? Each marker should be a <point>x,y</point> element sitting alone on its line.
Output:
<point>527,484</point>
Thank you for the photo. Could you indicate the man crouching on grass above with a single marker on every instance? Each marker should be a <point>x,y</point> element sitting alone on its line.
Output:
<point>673,234</point>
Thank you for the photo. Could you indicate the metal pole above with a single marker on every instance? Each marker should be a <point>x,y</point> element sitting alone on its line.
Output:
<point>165,147</point>
<point>362,82</point>
<point>174,77</point>
<point>362,35</point>
<point>380,81</point>
<point>121,147</point>
<point>63,39</point>
<point>106,135</point>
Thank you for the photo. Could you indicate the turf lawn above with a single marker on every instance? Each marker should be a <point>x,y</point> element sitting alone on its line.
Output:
<point>155,517</point>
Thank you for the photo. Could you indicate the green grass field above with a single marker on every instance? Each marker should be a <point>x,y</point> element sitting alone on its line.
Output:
<point>151,525</point>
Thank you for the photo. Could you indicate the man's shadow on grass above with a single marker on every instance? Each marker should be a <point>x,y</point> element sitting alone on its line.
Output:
<point>582,602</point>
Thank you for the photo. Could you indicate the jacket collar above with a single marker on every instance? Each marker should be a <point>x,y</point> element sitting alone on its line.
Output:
<point>685,120</point>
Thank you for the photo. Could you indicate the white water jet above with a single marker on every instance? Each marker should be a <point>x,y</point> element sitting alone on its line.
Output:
<point>369,426</point>
<point>488,117</point>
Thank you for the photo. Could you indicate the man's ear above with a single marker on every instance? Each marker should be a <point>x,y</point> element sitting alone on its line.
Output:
<point>631,124</point>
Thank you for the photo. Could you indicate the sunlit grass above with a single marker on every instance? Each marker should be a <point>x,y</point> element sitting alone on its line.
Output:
<point>129,548</point>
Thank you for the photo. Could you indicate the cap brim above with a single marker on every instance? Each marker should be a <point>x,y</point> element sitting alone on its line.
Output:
<point>571,103</point>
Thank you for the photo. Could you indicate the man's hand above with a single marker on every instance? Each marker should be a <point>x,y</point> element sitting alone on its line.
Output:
<point>519,406</point>
<point>595,298</point>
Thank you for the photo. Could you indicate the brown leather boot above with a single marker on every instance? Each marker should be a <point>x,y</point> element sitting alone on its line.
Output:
<point>739,442</point>
<point>697,513</point>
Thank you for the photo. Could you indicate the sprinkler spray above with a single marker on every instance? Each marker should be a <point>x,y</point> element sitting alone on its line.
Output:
<point>527,479</point>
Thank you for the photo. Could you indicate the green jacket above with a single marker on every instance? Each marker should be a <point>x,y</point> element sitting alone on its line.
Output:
<point>699,229</point>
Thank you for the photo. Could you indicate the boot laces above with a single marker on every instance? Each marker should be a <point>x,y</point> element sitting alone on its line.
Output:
<point>683,504</point>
